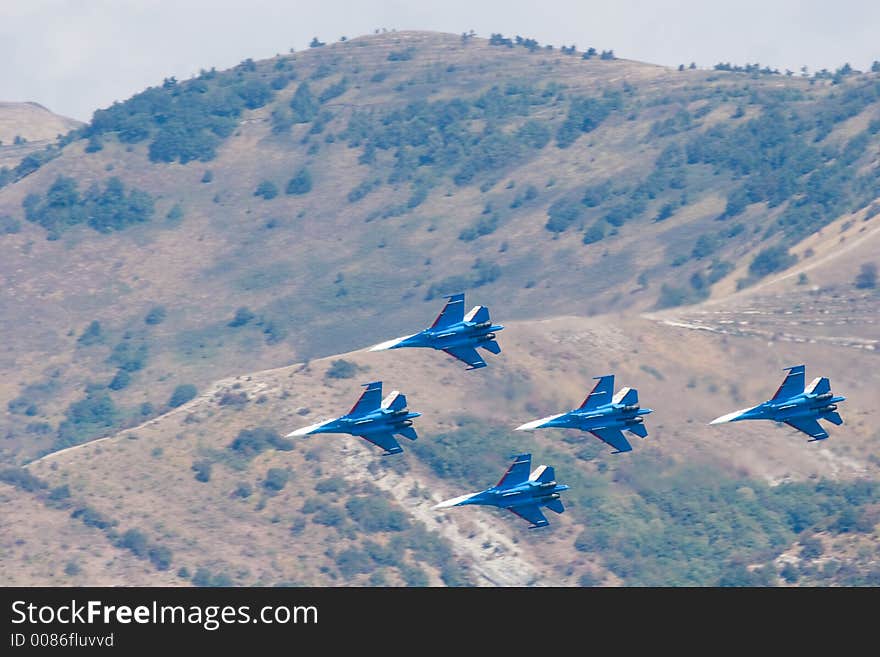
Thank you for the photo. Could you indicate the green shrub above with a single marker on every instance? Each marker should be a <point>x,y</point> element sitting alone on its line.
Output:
<point>22,479</point>
<point>304,105</point>
<point>93,518</point>
<point>203,470</point>
<point>91,335</point>
<point>342,369</point>
<point>129,355</point>
<point>120,380</point>
<point>160,557</point>
<point>301,183</point>
<point>276,479</point>
<point>242,317</point>
<point>352,561</point>
<point>136,541</point>
<point>770,260</point>
<point>156,315</point>
<point>867,277</point>
<point>182,394</point>
<point>244,490</point>
<point>376,515</point>
<point>267,189</point>
<point>251,442</point>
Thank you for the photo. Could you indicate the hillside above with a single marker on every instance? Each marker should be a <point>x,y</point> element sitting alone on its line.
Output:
<point>684,485</point>
<point>188,266</point>
<point>392,169</point>
<point>26,128</point>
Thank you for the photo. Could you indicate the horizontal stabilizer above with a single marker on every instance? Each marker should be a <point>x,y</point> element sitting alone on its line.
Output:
<point>492,346</point>
<point>384,440</point>
<point>809,426</point>
<point>613,437</point>
<point>556,505</point>
<point>532,513</point>
<point>833,417</point>
<point>408,432</point>
<point>467,355</point>
<point>793,383</point>
<point>477,315</point>
<point>638,429</point>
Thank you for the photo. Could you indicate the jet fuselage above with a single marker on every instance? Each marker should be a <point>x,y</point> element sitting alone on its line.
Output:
<point>527,493</point>
<point>381,420</point>
<point>611,416</point>
<point>802,405</point>
<point>460,334</point>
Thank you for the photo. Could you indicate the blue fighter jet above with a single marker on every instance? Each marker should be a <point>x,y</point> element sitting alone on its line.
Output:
<point>455,333</point>
<point>372,418</point>
<point>604,416</point>
<point>798,407</point>
<point>520,492</point>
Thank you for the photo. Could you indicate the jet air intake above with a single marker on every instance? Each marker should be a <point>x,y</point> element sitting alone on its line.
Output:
<point>828,409</point>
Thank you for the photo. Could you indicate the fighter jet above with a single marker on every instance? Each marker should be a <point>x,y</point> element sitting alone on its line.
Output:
<point>604,416</point>
<point>455,333</point>
<point>799,408</point>
<point>520,492</point>
<point>372,418</point>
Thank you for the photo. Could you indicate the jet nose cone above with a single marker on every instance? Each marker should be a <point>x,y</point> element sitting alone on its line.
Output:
<point>730,417</point>
<point>455,501</point>
<point>536,424</point>
<point>389,344</point>
<point>305,431</point>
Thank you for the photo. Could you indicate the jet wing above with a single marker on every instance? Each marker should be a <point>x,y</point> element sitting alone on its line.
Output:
<point>809,426</point>
<point>517,473</point>
<point>452,313</point>
<point>793,383</point>
<point>600,394</point>
<point>370,399</point>
<point>532,513</point>
<point>613,437</point>
<point>468,355</point>
<point>386,441</point>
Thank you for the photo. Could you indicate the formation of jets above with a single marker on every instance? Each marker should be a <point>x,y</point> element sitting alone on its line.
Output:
<point>603,413</point>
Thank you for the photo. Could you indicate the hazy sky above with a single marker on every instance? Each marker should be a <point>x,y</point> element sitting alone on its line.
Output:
<point>75,56</point>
